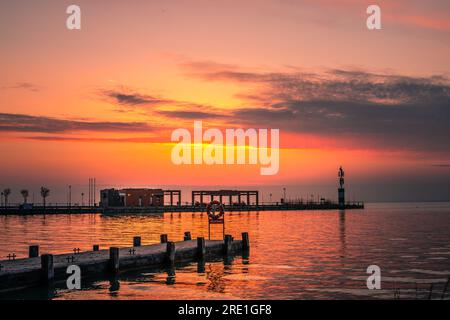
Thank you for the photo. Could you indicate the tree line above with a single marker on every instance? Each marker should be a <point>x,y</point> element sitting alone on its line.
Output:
<point>45,192</point>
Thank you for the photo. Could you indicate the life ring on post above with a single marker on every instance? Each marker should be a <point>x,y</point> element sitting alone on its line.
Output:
<point>212,208</point>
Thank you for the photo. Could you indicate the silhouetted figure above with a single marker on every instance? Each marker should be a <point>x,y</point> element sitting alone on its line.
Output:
<point>341,177</point>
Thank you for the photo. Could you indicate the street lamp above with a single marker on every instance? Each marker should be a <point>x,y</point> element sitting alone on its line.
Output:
<point>70,195</point>
<point>82,198</point>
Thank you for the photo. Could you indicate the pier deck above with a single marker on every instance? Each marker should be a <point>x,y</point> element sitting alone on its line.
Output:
<point>23,273</point>
<point>15,210</point>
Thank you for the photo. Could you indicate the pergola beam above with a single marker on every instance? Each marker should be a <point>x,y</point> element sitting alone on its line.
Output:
<point>223,193</point>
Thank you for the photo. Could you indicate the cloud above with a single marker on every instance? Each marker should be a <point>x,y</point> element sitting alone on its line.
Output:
<point>192,115</point>
<point>158,106</point>
<point>387,110</point>
<point>92,139</point>
<point>337,85</point>
<point>127,98</point>
<point>356,107</point>
<point>401,126</point>
<point>28,123</point>
<point>24,86</point>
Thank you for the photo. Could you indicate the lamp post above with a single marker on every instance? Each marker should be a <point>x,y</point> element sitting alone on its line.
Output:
<point>70,195</point>
<point>82,198</point>
<point>284,195</point>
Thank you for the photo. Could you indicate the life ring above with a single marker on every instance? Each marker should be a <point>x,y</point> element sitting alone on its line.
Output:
<point>211,209</point>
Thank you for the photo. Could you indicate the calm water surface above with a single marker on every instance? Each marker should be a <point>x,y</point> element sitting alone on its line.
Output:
<point>294,254</point>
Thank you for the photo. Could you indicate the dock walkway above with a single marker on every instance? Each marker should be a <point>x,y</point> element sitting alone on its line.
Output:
<point>28,272</point>
<point>16,210</point>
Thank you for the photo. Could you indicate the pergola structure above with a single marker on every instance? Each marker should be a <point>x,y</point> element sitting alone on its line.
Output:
<point>227,194</point>
<point>171,193</point>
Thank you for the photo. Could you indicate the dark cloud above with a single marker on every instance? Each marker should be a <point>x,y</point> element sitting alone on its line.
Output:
<point>375,110</point>
<point>134,99</point>
<point>336,85</point>
<point>28,123</point>
<point>409,126</point>
<point>92,139</point>
<point>180,109</point>
<point>383,109</point>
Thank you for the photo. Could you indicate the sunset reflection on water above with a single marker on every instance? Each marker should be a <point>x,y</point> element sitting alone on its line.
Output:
<point>294,255</point>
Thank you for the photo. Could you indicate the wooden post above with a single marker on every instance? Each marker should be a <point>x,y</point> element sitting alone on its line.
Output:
<point>95,247</point>
<point>137,241</point>
<point>228,244</point>
<point>201,266</point>
<point>48,271</point>
<point>163,238</point>
<point>33,251</point>
<point>245,241</point>
<point>201,248</point>
<point>187,236</point>
<point>170,251</point>
<point>114,259</point>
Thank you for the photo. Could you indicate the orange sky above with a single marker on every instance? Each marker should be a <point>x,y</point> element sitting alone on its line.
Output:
<point>102,101</point>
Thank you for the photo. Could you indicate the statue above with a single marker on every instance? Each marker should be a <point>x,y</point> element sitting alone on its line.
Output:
<point>341,177</point>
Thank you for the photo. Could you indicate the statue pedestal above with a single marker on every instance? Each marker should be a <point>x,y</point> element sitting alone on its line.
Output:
<point>341,197</point>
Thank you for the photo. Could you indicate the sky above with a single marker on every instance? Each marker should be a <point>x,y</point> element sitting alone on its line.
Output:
<point>103,101</point>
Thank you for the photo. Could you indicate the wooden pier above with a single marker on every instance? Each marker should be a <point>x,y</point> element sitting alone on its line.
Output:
<point>41,270</point>
<point>16,210</point>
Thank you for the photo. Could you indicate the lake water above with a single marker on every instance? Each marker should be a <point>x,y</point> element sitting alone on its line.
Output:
<point>294,254</point>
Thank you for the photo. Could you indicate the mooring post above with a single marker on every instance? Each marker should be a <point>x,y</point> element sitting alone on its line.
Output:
<point>114,259</point>
<point>170,251</point>
<point>201,266</point>
<point>201,248</point>
<point>48,270</point>
<point>95,247</point>
<point>228,244</point>
<point>137,241</point>
<point>245,241</point>
<point>187,236</point>
<point>163,238</point>
<point>33,251</point>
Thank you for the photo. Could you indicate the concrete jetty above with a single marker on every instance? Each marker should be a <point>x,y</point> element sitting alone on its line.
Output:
<point>34,271</point>
<point>16,210</point>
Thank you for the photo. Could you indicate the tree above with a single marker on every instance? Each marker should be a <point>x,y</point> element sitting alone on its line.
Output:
<point>25,194</point>
<point>44,194</point>
<point>6,194</point>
